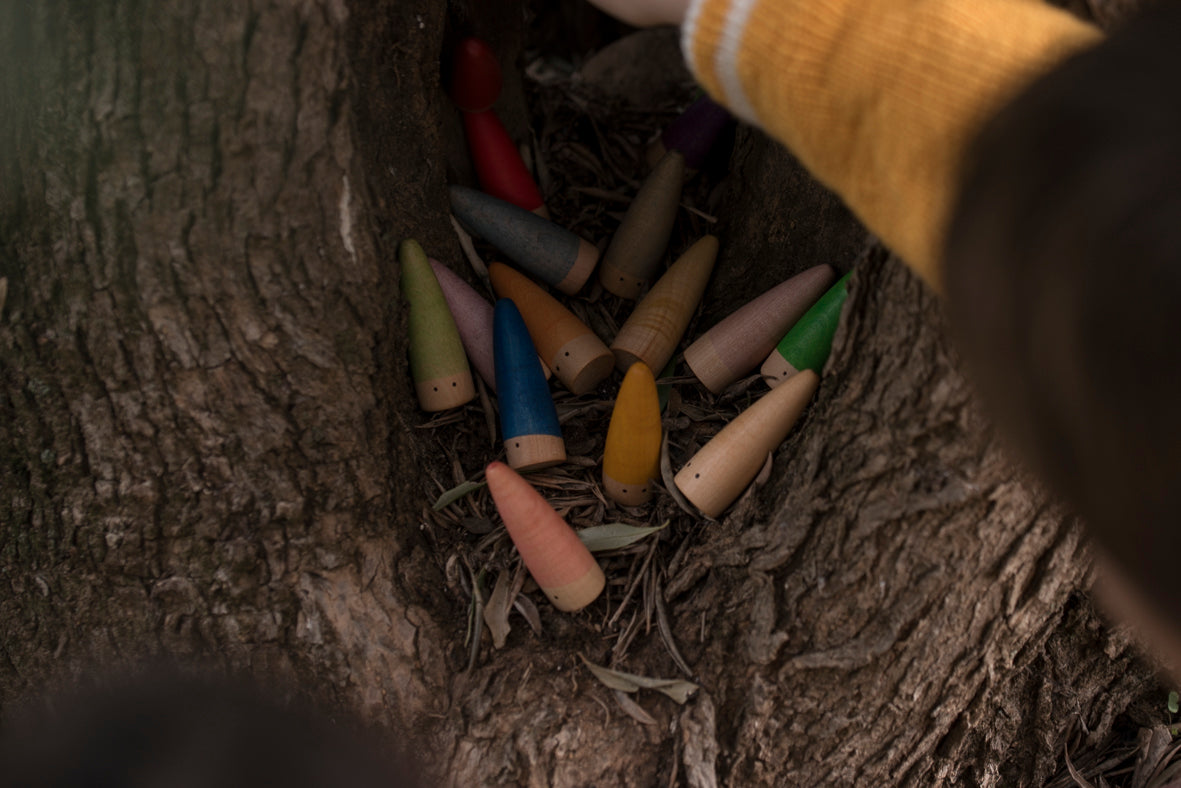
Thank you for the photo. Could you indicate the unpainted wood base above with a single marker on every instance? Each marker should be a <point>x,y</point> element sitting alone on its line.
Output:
<point>531,452</point>
<point>584,266</point>
<point>579,593</point>
<point>583,363</point>
<point>446,392</point>
<point>627,493</point>
<point>776,369</point>
<point>621,283</point>
<point>709,366</point>
<point>624,359</point>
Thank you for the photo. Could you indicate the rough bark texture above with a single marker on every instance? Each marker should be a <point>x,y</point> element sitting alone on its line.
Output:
<point>199,380</point>
<point>208,441</point>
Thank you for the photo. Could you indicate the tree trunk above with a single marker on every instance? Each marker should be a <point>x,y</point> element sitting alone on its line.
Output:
<point>210,444</point>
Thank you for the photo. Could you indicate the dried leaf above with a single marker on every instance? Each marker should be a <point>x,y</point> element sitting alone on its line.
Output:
<point>455,493</point>
<point>666,630</point>
<point>478,525</point>
<point>476,616</point>
<point>1169,778</point>
<point>666,474</point>
<point>765,473</point>
<point>671,403</point>
<point>469,251</point>
<point>613,536</point>
<point>1074,773</point>
<point>677,689</point>
<point>3,291</point>
<point>496,611</point>
<point>663,390</point>
<point>489,411</point>
<point>633,709</point>
<point>1168,772</point>
<point>1153,743</point>
<point>528,610</point>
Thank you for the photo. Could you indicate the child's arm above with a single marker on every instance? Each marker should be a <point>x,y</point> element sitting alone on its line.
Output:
<point>878,98</point>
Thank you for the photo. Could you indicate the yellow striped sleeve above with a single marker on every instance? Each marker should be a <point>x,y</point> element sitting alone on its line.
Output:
<point>879,98</point>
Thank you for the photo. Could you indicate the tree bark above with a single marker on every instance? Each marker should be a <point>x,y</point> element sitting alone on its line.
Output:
<point>210,447</point>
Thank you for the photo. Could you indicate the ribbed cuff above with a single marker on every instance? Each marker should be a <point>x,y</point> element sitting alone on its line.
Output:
<point>689,48</point>
<point>711,39</point>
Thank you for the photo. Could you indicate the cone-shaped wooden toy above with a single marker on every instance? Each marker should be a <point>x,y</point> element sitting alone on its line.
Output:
<point>475,86</point>
<point>741,341</point>
<point>652,331</point>
<point>532,436</point>
<point>631,458</point>
<point>499,166</point>
<point>808,343</point>
<point>558,560</point>
<point>473,318</point>
<point>637,247</point>
<point>551,253</point>
<point>693,133</point>
<point>475,75</point>
<point>722,468</point>
<point>575,354</point>
<point>438,365</point>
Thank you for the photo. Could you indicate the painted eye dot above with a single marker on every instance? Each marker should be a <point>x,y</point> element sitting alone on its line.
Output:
<point>454,384</point>
<point>625,489</point>
<point>517,445</point>
<point>567,352</point>
<point>697,476</point>
<point>436,388</point>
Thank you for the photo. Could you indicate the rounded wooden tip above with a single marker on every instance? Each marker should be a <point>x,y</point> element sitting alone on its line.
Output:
<point>583,363</point>
<point>655,152</point>
<point>446,392</point>
<point>620,282</point>
<point>556,558</point>
<point>777,369</point>
<point>624,359</point>
<point>531,452</point>
<point>584,265</point>
<point>655,327</point>
<point>696,130</point>
<point>499,167</point>
<point>627,494</point>
<point>708,365</point>
<point>475,78</point>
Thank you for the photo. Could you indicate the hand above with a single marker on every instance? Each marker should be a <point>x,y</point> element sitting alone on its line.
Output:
<point>645,13</point>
